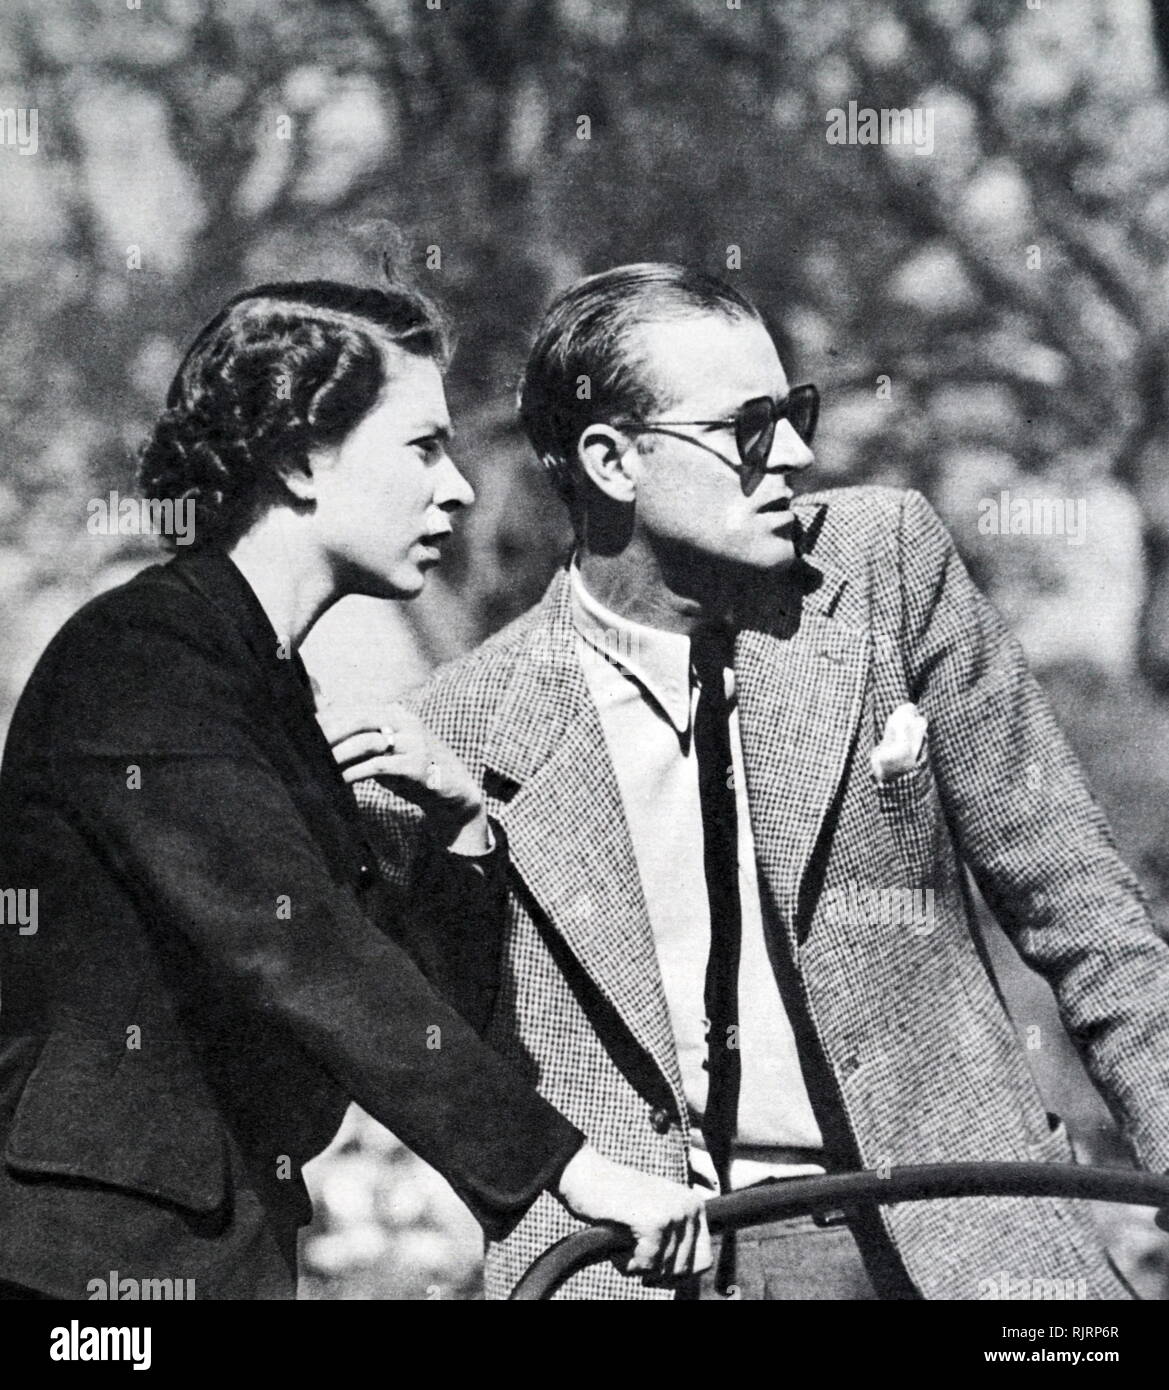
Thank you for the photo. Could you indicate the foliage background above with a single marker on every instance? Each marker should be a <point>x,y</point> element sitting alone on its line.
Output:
<point>1011,286</point>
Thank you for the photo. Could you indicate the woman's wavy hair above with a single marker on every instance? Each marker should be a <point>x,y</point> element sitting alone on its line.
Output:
<point>281,370</point>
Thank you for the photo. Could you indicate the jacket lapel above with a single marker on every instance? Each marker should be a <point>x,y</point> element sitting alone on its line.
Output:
<point>801,680</point>
<point>290,698</point>
<point>801,676</point>
<point>567,830</point>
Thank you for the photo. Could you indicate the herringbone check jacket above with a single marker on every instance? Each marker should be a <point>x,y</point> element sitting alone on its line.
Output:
<point>910,1054</point>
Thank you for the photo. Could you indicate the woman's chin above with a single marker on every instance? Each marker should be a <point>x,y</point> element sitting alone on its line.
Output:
<point>404,587</point>
<point>405,582</point>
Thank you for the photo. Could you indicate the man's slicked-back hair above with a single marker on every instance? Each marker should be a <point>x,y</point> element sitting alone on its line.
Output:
<point>584,366</point>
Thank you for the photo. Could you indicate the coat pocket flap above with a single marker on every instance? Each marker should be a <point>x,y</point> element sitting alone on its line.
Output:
<point>94,1112</point>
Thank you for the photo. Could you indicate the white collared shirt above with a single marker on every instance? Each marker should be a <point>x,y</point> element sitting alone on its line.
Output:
<point>639,679</point>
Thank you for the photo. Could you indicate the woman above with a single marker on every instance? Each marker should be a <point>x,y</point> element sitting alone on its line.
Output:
<point>216,970</point>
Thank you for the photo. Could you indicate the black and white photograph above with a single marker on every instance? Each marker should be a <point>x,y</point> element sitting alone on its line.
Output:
<point>584,588</point>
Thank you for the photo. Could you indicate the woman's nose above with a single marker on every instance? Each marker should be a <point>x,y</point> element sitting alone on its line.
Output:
<point>453,490</point>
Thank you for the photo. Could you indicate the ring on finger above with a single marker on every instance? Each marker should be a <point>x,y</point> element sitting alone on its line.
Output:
<point>388,734</point>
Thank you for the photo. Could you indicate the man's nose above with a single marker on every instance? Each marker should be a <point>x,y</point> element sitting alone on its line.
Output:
<point>789,453</point>
<point>451,488</point>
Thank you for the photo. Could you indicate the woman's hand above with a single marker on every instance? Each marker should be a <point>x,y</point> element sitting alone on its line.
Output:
<point>666,1221</point>
<point>396,747</point>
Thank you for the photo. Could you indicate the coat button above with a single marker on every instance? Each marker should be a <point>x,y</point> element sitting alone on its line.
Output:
<point>849,1064</point>
<point>365,876</point>
<point>660,1119</point>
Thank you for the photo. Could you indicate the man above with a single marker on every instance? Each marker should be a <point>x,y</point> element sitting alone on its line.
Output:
<point>742,749</point>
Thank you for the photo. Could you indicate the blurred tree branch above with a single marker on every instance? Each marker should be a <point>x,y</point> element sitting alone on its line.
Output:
<point>707,142</point>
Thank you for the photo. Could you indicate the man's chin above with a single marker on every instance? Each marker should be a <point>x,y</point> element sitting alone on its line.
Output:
<point>779,553</point>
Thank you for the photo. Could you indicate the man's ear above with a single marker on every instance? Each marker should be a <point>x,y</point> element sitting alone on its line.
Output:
<point>610,459</point>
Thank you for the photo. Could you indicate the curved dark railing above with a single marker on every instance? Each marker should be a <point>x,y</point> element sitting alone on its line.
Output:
<point>755,1206</point>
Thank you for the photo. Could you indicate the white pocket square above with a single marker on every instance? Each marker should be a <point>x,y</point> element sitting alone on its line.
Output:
<point>901,744</point>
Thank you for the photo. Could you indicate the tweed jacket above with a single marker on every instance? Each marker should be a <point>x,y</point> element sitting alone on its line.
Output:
<point>910,1055</point>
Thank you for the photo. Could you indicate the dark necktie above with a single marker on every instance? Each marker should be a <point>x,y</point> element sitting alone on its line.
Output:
<point>711,650</point>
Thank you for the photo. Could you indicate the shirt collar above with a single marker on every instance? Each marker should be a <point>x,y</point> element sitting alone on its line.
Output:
<point>658,661</point>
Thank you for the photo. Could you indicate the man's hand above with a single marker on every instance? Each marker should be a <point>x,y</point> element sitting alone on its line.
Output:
<point>386,741</point>
<point>667,1221</point>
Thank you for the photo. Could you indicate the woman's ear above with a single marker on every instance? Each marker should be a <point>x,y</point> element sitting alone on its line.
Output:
<point>609,457</point>
<point>302,482</point>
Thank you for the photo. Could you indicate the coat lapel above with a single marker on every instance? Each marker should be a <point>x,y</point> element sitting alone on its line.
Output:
<point>801,679</point>
<point>801,676</point>
<point>567,830</point>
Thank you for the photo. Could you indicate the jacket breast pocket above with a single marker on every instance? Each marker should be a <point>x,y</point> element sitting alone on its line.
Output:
<point>92,1112</point>
<point>912,811</point>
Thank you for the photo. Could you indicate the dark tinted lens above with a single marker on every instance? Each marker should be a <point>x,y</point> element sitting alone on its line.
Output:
<point>754,432</point>
<point>803,409</point>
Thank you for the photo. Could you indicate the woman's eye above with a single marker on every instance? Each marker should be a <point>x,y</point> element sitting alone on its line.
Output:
<point>428,448</point>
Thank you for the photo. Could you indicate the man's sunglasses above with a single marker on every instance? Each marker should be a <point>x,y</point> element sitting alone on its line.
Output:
<point>754,424</point>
